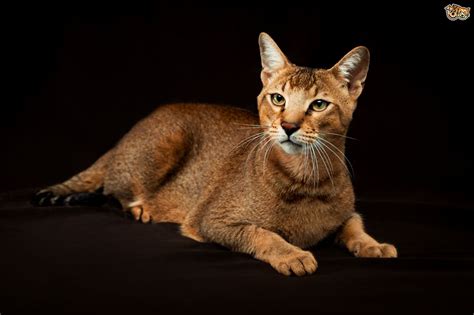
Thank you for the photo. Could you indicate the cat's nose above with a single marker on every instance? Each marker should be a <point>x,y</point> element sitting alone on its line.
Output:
<point>289,128</point>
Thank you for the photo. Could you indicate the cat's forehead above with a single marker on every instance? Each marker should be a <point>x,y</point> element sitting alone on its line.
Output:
<point>300,79</point>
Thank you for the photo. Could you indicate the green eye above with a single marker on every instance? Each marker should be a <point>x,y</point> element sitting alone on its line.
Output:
<point>319,105</point>
<point>278,99</point>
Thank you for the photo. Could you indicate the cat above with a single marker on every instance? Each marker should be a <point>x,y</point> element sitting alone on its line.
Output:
<point>455,11</point>
<point>267,185</point>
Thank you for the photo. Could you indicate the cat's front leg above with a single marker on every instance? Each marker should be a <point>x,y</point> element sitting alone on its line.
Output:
<point>361,244</point>
<point>281,255</point>
<point>264,245</point>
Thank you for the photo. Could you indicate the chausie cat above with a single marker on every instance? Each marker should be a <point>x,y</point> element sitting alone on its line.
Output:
<point>268,186</point>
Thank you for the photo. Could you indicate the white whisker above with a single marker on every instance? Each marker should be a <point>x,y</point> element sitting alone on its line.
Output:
<point>329,161</point>
<point>314,159</point>
<point>268,151</point>
<point>252,125</point>
<point>326,156</point>
<point>340,151</point>
<point>318,150</point>
<point>305,158</point>
<point>317,166</point>
<point>263,148</point>
<point>263,137</point>
<point>337,134</point>
<point>248,140</point>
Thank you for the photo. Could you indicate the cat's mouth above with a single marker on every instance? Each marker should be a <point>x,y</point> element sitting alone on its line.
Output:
<point>291,147</point>
<point>291,142</point>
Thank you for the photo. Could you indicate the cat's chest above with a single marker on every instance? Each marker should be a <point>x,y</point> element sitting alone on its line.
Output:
<point>307,223</point>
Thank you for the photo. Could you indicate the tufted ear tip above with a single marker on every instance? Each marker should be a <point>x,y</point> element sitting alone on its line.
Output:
<point>263,36</point>
<point>362,50</point>
<point>353,68</point>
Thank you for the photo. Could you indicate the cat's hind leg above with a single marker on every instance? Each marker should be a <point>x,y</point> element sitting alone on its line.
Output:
<point>146,159</point>
<point>151,212</point>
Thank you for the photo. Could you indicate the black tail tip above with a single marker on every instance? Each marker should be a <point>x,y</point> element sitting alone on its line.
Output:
<point>45,198</point>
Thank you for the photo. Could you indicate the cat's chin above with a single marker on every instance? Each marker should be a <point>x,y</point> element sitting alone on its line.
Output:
<point>291,148</point>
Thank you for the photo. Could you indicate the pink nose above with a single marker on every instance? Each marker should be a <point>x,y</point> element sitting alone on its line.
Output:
<point>289,128</point>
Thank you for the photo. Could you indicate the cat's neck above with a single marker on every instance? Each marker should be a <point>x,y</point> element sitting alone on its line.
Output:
<point>317,170</point>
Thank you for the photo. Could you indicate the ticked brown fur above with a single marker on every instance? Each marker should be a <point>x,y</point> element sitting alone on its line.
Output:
<point>239,180</point>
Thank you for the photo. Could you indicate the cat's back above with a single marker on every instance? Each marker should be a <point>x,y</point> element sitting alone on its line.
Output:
<point>199,125</point>
<point>200,118</point>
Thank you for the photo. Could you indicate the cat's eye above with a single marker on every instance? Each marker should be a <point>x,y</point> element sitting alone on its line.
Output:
<point>319,105</point>
<point>278,99</point>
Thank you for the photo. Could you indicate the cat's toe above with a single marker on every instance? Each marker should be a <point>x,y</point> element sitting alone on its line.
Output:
<point>146,217</point>
<point>375,250</point>
<point>140,214</point>
<point>136,212</point>
<point>45,198</point>
<point>299,263</point>
<point>389,251</point>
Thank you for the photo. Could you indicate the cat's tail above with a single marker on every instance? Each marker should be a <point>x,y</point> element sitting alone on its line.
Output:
<point>81,189</point>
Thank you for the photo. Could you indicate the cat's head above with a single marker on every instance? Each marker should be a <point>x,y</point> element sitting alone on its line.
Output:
<point>300,106</point>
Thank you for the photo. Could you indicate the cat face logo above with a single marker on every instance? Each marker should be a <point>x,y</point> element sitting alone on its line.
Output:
<point>455,12</point>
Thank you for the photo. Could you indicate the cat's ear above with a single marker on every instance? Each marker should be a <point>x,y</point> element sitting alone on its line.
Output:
<point>271,56</point>
<point>353,68</point>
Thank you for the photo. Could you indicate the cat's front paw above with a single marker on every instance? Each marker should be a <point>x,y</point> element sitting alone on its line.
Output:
<point>371,250</point>
<point>298,262</point>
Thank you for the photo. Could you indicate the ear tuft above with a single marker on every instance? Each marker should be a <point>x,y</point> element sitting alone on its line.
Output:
<point>353,68</point>
<point>348,67</point>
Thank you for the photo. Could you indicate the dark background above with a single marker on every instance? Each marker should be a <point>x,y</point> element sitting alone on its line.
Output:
<point>80,76</point>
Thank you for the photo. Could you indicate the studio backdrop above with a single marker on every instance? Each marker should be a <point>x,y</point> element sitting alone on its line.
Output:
<point>80,77</point>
